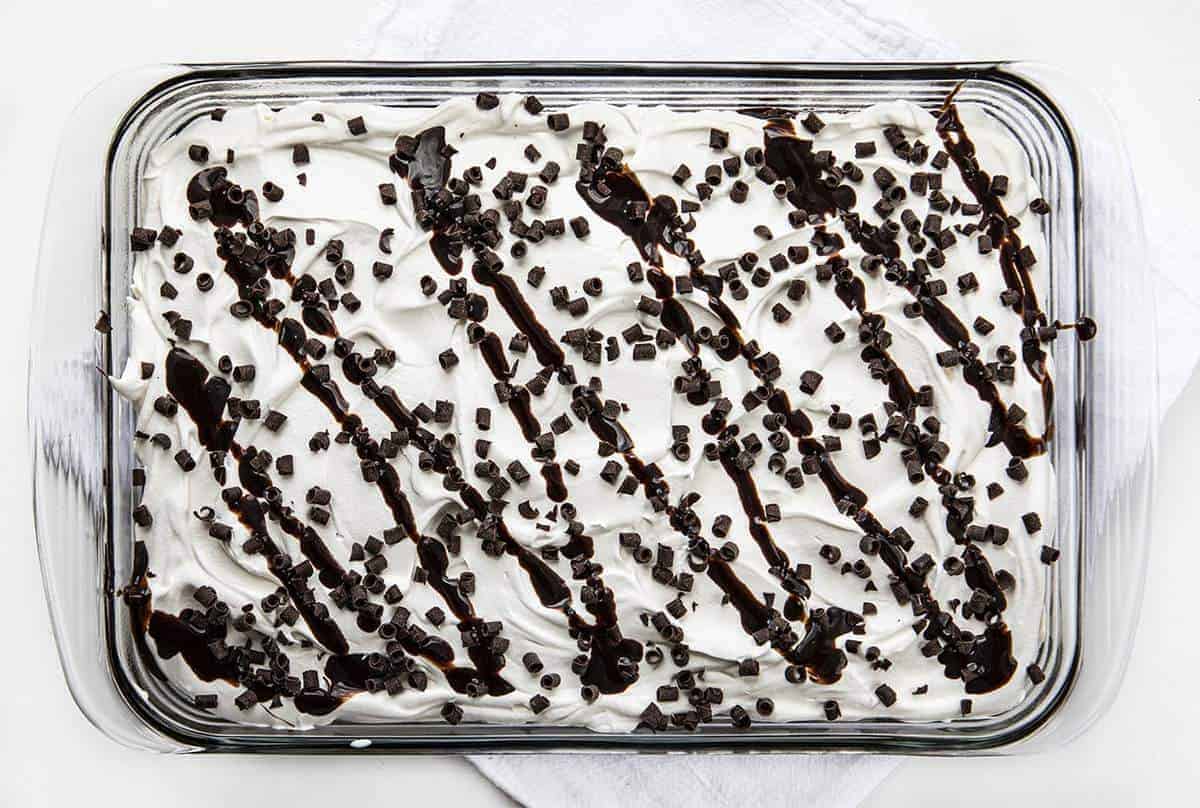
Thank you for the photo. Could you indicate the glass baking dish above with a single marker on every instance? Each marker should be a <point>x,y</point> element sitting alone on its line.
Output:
<point>81,431</point>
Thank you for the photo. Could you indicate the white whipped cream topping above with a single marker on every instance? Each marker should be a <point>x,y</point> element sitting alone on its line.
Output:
<point>341,200</point>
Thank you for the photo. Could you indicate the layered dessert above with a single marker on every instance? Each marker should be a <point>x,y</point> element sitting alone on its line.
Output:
<point>618,417</point>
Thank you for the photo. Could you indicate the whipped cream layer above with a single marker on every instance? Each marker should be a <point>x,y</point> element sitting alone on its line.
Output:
<point>699,518</point>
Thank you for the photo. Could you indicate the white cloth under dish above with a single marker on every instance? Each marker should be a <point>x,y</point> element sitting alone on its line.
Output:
<point>698,30</point>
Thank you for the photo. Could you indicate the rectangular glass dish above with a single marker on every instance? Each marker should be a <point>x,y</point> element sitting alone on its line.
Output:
<point>1103,448</point>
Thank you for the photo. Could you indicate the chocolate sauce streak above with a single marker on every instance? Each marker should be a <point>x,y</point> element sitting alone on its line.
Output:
<point>817,651</point>
<point>249,266</point>
<point>493,354</point>
<point>1008,243</point>
<point>616,195</point>
<point>980,577</point>
<point>851,290</point>
<point>396,500</point>
<point>425,162</point>
<point>756,618</point>
<point>488,662</point>
<point>948,328</point>
<point>551,590</point>
<point>514,304</point>
<point>556,487</point>
<point>173,636</point>
<point>612,665</point>
<point>756,515</point>
<point>519,402</point>
<point>250,512</point>
<point>792,157</point>
<point>795,421</point>
<point>199,636</point>
<point>613,661</point>
<point>330,571</point>
<point>202,397</point>
<point>137,599</point>
<point>984,663</point>
<point>225,203</point>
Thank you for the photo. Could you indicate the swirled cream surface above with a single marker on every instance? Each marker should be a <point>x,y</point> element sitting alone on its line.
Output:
<point>601,416</point>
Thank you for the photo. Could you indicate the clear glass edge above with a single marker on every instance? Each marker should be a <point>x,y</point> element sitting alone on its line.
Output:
<point>174,74</point>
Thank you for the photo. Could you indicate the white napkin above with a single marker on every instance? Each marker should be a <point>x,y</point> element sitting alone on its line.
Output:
<point>698,30</point>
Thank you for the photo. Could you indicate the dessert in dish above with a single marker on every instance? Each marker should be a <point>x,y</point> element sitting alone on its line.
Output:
<point>599,416</point>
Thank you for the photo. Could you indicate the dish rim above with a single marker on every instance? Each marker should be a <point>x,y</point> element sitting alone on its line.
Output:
<point>995,72</point>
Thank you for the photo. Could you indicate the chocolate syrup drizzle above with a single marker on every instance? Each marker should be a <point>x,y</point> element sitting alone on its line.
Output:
<point>986,662</point>
<point>613,660</point>
<point>248,265</point>
<point>950,330</point>
<point>514,304</point>
<point>790,156</point>
<point>425,162</point>
<point>622,206</point>
<point>230,203</point>
<point>431,553</point>
<point>519,401</point>
<point>1005,238</point>
<point>612,663</point>
<point>204,399</point>
<point>614,193</point>
<point>816,651</point>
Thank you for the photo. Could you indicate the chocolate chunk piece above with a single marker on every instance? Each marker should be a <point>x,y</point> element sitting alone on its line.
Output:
<point>810,380</point>
<point>813,123</point>
<point>142,238</point>
<point>452,713</point>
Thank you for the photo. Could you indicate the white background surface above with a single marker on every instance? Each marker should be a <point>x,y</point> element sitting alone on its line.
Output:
<point>1146,55</point>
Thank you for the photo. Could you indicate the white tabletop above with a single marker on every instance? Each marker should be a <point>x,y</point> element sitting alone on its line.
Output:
<point>1144,54</point>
